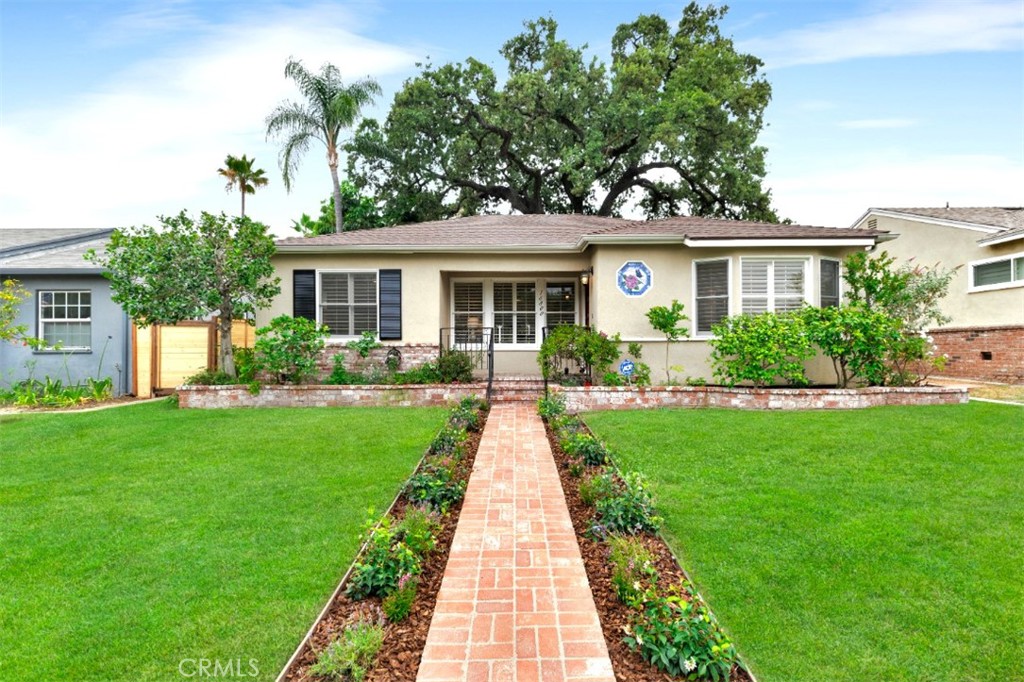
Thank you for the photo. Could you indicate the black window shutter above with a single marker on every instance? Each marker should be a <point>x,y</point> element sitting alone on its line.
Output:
<point>304,294</point>
<point>390,282</point>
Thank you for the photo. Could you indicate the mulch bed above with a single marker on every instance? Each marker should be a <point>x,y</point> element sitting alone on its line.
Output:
<point>403,642</point>
<point>628,665</point>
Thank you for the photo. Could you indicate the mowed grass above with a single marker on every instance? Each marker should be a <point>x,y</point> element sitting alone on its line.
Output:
<point>135,538</point>
<point>884,544</point>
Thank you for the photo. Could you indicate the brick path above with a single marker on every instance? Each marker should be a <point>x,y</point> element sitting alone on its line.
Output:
<point>515,603</point>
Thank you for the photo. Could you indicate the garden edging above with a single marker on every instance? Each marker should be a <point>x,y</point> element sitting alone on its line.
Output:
<point>589,398</point>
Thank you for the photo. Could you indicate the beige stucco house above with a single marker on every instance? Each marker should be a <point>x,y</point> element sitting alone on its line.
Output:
<point>985,336</point>
<point>423,285</point>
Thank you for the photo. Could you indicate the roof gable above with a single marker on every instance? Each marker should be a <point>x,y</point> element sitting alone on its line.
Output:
<point>49,250</point>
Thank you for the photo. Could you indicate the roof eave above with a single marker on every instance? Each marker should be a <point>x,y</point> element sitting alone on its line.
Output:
<point>914,217</point>
<point>426,248</point>
<point>808,241</point>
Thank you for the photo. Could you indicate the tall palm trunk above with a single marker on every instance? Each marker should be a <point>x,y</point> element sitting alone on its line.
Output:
<point>339,217</point>
<point>243,202</point>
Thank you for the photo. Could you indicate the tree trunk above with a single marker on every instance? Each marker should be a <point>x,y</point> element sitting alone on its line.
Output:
<point>226,356</point>
<point>243,202</point>
<point>339,218</point>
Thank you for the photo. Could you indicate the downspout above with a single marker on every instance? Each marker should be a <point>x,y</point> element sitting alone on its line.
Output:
<point>126,354</point>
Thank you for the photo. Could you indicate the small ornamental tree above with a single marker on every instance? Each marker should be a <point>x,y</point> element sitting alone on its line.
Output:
<point>289,347</point>
<point>667,320</point>
<point>12,294</point>
<point>855,338</point>
<point>760,349</point>
<point>593,352</point>
<point>191,269</point>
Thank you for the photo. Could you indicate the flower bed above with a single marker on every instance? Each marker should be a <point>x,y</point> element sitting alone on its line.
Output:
<point>386,599</point>
<point>586,398</point>
<point>427,395</point>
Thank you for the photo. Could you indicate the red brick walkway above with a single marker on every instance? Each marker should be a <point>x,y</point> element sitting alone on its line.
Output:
<point>515,603</point>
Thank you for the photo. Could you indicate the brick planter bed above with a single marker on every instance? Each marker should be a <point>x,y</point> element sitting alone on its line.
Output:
<point>583,399</point>
<point>426,395</point>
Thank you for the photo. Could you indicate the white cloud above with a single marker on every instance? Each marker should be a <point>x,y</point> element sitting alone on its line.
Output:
<point>906,29</point>
<point>150,141</point>
<point>878,123</point>
<point>838,197</point>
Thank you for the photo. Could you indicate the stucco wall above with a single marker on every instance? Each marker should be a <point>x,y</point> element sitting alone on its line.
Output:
<point>109,339</point>
<point>929,244</point>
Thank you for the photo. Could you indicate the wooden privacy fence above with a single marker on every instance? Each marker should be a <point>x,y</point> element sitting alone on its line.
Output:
<point>165,355</point>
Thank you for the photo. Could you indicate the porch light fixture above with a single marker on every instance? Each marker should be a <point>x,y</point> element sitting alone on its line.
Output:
<point>585,276</point>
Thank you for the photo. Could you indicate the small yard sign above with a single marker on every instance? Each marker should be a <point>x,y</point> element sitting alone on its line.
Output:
<point>627,367</point>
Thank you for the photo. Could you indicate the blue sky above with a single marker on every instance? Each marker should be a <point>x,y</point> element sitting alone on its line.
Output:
<point>112,113</point>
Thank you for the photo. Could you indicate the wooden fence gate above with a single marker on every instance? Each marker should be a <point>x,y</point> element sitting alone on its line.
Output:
<point>165,355</point>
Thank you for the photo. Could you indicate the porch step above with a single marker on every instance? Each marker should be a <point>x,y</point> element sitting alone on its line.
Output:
<point>516,390</point>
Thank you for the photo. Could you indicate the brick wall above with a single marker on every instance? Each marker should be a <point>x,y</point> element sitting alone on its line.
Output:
<point>436,395</point>
<point>579,399</point>
<point>413,355</point>
<point>986,353</point>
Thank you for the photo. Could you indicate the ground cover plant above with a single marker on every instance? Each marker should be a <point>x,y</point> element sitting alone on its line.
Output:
<point>867,545</point>
<point>134,540</point>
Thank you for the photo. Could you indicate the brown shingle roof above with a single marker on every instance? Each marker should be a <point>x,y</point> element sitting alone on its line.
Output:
<point>560,232</point>
<point>991,216</point>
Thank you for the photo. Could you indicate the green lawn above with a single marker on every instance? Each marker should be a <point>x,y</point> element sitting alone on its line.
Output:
<point>130,540</point>
<point>884,544</point>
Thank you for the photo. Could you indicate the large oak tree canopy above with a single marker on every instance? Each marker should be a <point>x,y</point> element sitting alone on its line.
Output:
<point>671,125</point>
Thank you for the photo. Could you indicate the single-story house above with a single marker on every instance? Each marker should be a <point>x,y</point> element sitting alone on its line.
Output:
<point>423,285</point>
<point>984,338</point>
<point>70,307</point>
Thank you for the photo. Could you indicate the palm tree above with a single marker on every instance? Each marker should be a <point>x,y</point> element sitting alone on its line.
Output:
<point>241,174</point>
<point>330,107</point>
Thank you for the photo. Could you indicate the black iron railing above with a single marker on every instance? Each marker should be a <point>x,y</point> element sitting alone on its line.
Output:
<point>477,343</point>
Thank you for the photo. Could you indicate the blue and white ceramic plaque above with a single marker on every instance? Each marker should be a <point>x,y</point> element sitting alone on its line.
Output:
<point>634,278</point>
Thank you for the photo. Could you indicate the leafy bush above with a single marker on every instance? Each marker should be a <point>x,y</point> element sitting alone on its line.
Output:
<point>211,377</point>
<point>597,487</point>
<point>398,604</point>
<point>566,425</point>
<point>55,393</point>
<point>592,352</point>
<point>289,347</point>
<point>449,441</point>
<point>426,373</point>
<point>551,406</point>
<point>677,633</point>
<point>366,342</point>
<point>760,348</point>
<point>341,376</point>
<point>418,530</point>
<point>465,417</point>
<point>453,366</point>
<point>386,559</point>
<point>629,507</point>
<point>856,339</point>
<point>633,571</point>
<point>613,379</point>
<point>587,448</point>
<point>245,364</point>
<point>436,486</point>
<point>350,656</point>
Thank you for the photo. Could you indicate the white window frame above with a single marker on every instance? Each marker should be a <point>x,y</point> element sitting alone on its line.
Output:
<point>40,293</point>
<point>839,278</point>
<point>810,282</point>
<point>540,312</point>
<point>1012,284</point>
<point>347,271</point>
<point>730,307</point>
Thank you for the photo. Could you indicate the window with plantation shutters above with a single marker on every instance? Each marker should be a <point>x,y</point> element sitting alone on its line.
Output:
<point>772,284</point>
<point>560,303</point>
<point>348,302</point>
<point>829,283</point>
<point>468,306</point>
<point>515,312</point>
<point>712,293</point>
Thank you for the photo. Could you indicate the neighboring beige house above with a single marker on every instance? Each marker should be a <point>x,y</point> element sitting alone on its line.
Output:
<point>423,285</point>
<point>985,336</point>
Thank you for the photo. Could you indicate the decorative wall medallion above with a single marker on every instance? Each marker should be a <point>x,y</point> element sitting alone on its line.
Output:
<point>634,278</point>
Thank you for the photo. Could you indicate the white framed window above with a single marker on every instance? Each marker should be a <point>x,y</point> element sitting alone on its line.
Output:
<point>516,309</point>
<point>65,319</point>
<point>515,313</point>
<point>773,284</point>
<point>468,310</point>
<point>347,301</point>
<point>997,273</point>
<point>711,280</point>
<point>829,283</point>
<point>560,303</point>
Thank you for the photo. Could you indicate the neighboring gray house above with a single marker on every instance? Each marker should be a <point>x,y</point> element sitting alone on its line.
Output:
<point>70,307</point>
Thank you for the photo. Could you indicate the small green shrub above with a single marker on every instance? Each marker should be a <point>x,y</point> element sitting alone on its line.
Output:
<point>760,349</point>
<point>551,406</point>
<point>418,530</point>
<point>633,571</point>
<point>426,373</point>
<point>677,633</point>
<point>454,366</point>
<point>341,376</point>
<point>385,560</point>
<point>613,379</point>
<point>366,342</point>
<point>465,418</point>
<point>667,320</point>
<point>591,351</point>
<point>586,447</point>
<point>350,656</point>
<point>629,507</point>
<point>576,468</point>
<point>597,487</point>
<point>436,486</point>
<point>449,441</point>
<point>566,425</point>
<point>398,604</point>
<point>289,347</point>
<point>245,364</point>
<point>696,381</point>
<point>211,377</point>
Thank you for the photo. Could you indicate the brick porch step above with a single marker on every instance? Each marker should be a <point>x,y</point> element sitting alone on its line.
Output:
<point>516,390</point>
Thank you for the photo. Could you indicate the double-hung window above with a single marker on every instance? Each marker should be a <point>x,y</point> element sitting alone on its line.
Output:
<point>998,273</point>
<point>65,319</point>
<point>828,283</point>
<point>711,286</point>
<point>560,303</point>
<point>468,308</point>
<point>773,284</point>
<point>348,302</point>
<point>515,312</point>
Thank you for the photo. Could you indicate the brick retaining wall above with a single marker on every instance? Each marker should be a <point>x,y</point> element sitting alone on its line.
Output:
<point>985,353</point>
<point>581,399</point>
<point>413,355</point>
<point>429,395</point>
